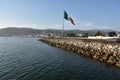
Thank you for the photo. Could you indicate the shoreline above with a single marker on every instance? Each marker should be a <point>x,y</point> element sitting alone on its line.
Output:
<point>102,50</point>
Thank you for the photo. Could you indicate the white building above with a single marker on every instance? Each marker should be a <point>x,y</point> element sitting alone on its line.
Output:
<point>101,37</point>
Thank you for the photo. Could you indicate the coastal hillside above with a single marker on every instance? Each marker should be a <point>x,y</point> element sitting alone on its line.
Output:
<point>13,31</point>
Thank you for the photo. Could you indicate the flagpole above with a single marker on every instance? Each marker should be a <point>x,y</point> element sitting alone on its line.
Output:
<point>63,27</point>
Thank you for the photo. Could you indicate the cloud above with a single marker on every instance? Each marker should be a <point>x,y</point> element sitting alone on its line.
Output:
<point>81,25</point>
<point>87,25</point>
<point>10,24</point>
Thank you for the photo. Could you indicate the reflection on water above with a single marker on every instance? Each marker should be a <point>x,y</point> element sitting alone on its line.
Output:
<point>29,59</point>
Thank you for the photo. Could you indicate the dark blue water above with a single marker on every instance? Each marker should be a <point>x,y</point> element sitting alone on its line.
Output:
<point>29,59</point>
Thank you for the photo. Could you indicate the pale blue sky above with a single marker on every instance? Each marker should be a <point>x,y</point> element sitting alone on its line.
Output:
<point>48,14</point>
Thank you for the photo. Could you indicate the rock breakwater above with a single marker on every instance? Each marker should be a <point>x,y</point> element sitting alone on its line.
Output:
<point>104,52</point>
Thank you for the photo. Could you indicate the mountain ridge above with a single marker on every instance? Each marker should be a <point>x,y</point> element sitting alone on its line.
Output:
<point>14,31</point>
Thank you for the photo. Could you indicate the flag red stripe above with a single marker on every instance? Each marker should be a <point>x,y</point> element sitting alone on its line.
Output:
<point>71,20</point>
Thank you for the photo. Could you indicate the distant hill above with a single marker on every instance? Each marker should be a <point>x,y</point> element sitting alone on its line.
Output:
<point>13,31</point>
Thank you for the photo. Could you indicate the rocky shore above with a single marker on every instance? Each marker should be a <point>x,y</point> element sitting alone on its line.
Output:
<point>101,50</point>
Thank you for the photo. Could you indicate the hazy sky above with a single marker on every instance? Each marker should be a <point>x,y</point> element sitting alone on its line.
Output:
<point>44,14</point>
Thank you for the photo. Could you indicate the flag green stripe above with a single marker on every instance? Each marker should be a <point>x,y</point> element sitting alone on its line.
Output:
<point>65,15</point>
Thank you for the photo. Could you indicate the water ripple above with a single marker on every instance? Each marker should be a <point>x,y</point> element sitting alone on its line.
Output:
<point>29,59</point>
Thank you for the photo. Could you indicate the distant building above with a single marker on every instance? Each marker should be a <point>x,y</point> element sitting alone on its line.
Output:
<point>79,35</point>
<point>101,37</point>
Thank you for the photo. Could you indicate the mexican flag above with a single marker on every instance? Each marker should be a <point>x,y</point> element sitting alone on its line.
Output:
<point>68,18</point>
